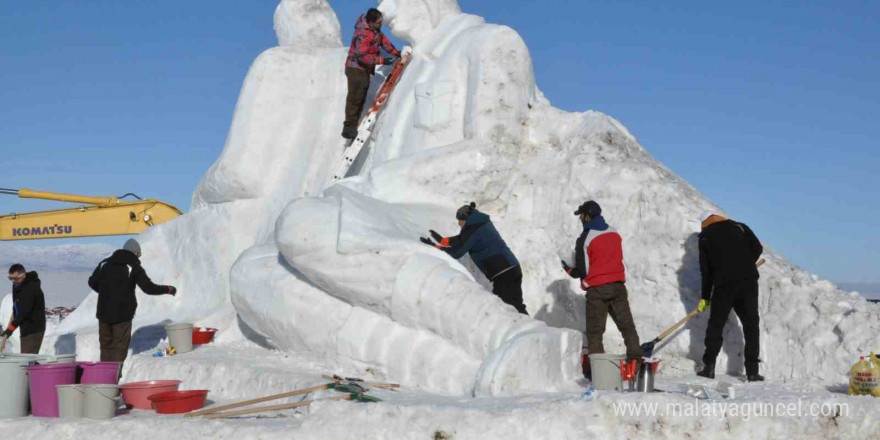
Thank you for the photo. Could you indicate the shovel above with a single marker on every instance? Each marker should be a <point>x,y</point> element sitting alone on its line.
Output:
<point>648,347</point>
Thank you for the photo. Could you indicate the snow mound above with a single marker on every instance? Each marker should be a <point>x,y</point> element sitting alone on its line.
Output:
<point>272,254</point>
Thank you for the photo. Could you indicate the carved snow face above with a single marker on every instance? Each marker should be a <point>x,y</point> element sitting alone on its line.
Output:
<point>406,18</point>
<point>412,20</point>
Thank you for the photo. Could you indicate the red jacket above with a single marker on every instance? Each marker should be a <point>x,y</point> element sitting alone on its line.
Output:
<point>364,53</point>
<point>599,255</point>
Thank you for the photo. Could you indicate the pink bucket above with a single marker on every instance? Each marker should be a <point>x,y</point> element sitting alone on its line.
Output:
<point>42,380</point>
<point>96,373</point>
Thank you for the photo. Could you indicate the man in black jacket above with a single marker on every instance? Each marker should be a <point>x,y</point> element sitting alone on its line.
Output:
<point>115,279</point>
<point>728,252</point>
<point>28,309</point>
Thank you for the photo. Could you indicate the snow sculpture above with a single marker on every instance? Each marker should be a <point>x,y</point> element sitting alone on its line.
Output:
<point>340,272</point>
<point>366,254</point>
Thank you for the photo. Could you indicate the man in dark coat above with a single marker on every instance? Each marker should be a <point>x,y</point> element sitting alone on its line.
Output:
<point>363,57</point>
<point>728,252</point>
<point>489,252</point>
<point>115,279</point>
<point>28,309</point>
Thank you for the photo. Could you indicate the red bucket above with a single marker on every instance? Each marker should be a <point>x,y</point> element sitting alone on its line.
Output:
<point>203,335</point>
<point>177,402</point>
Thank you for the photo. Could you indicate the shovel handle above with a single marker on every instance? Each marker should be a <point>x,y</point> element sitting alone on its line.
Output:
<point>3,344</point>
<point>691,315</point>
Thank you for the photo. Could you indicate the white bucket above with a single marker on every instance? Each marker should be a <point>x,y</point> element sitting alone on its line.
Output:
<point>180,337</point>
<point>14,388</point>
<point>606,371</point>
<point>101,401</point>
<point>71,401</point>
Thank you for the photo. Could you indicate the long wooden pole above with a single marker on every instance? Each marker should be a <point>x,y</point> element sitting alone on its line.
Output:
<point>258,400</point>
<point>273,407</point>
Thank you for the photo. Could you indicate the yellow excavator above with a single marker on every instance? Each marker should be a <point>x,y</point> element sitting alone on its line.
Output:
<point>97,216</point>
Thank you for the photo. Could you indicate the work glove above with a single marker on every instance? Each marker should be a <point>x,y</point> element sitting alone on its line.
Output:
<point>566,267</point>
<point>437,237</point>
<point>388,61</point>
<point>172,290</point>
<point>703,305</point>
<point>6,333</point>
<point>427,241</point>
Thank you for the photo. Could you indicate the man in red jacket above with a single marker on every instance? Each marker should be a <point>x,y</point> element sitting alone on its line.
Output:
<point>599,265</point>
<point>363,57</point>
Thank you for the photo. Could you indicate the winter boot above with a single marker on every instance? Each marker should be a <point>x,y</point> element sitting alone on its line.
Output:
<point>708,371</point>
<point>752,372</point>
<point>349,134</point>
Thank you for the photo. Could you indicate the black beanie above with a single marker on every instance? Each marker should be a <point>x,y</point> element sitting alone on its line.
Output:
<point>465,211</point>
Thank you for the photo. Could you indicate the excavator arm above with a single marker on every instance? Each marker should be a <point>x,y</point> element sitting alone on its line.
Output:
<point>99,216</point>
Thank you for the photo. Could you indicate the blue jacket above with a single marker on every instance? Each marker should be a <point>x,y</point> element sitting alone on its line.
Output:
<point>481,240</point>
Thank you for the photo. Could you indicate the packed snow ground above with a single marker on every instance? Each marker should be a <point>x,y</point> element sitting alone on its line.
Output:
<point>237,371</point>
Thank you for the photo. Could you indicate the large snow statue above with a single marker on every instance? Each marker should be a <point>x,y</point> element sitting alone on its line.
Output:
<point>365,252</point>
<point>339,271</point>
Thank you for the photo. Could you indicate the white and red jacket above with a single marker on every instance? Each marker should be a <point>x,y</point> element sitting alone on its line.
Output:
<point>598,255</point>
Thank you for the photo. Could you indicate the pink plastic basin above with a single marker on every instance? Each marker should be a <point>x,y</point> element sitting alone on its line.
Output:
<point>137,394</point>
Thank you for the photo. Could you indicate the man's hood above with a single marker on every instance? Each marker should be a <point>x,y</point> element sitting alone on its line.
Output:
<point>122,256</point>
<point>361,23</point>
<point>596,224</point>
<point>476,218</point>
<point>31,277</point>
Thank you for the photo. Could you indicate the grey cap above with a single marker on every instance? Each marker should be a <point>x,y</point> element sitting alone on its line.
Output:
<point>132,246</point>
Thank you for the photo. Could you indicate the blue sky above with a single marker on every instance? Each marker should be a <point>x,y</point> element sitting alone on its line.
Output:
<point>768,108</point>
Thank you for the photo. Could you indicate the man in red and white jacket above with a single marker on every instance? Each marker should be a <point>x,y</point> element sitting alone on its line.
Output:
<point>599,265</point>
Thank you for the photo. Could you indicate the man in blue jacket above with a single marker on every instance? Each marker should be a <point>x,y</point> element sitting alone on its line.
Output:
<point>487,249</point>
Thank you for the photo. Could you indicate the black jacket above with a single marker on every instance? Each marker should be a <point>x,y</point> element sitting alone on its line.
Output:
<point>29,306</point>
<point>728,252</point>
<point>114,279</point>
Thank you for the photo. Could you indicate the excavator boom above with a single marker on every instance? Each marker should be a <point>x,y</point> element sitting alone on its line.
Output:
<point>102,216</point>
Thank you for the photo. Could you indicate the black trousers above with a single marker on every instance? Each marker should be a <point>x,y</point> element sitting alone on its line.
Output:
<point>358,84</point>
<point>508,287</point>
<point>742,297</point>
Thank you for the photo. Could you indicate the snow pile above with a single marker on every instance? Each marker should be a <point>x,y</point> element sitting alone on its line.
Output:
<point>340,273</point>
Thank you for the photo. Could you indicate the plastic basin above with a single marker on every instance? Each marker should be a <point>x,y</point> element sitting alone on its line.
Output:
<point>137,394</point>
<point>177,402</point>
<point>202,335</point>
